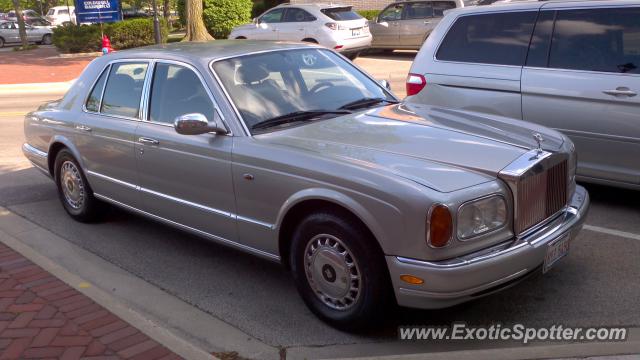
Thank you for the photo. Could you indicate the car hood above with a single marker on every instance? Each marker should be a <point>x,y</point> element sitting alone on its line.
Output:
<point>443,149</point>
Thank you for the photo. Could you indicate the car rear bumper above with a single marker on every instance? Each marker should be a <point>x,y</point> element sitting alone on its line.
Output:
<point>458,280</point>
<point>37,157</point>
<point>352,45</point>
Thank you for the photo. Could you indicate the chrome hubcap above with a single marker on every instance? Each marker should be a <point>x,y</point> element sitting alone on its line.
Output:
<point>332,272</point>
<point>71,183</point>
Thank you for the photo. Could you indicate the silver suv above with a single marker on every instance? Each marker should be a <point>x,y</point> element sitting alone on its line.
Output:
<point>572,66</point>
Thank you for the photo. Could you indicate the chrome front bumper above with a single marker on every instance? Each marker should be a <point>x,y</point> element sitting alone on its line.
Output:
<point>454,281</point>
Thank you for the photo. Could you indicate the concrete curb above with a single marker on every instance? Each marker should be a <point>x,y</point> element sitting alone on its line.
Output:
<point>36,88</point>
<point>76,55</point>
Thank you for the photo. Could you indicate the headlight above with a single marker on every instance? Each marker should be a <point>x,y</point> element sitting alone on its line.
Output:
<point>481,216</point>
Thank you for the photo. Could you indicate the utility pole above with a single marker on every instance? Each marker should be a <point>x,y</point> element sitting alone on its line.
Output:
<point>156,23</point>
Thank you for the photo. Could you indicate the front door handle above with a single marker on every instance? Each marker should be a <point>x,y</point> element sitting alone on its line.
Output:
<point>148,141</point>
<point>83,128</point>
<point>621,92</point>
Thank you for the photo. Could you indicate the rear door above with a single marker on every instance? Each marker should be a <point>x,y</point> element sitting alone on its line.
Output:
<point>386,30</point>
<point>588,86</point>
<point>294,24</point>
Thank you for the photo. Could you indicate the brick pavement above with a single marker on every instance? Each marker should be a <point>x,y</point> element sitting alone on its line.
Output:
<point>41,65</point>
<point>43,318</point>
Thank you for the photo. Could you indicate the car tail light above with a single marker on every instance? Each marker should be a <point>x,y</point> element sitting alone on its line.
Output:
<point>439,227</point>
<point>338,47</point>
<point>415,84</point>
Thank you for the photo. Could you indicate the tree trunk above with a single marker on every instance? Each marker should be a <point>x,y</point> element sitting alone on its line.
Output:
<point>196,31</point>
<point>166,9</point>
<point>21,26</point>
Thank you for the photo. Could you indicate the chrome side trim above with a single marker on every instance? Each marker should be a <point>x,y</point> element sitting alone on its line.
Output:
<point>215,238</point>
<point>34,151</point>
<point>184,202</point>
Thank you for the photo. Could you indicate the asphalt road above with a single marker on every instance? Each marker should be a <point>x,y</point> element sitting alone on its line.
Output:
<point>596,285</point>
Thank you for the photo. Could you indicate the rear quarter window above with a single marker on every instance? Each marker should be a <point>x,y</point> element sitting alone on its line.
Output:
<point>500,38</point>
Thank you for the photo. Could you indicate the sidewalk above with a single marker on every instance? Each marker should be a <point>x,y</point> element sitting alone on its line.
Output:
<point>42,317</point>
<point>42,65</point>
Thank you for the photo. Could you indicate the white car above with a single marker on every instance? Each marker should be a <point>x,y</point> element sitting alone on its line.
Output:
<point>334,26</point>
<point>60,15</point>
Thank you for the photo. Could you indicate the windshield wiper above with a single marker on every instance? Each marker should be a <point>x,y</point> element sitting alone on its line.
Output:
<point>360,103</point>
<point>303,115</point>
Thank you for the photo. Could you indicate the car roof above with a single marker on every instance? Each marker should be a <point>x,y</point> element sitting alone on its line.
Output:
<point>315,5</point>
<point>204,52</point>
<point>535,5</point>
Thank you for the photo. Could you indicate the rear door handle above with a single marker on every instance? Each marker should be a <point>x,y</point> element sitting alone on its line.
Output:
<point>148,141</point>
<point>621,92</point>
<point>83,128</point>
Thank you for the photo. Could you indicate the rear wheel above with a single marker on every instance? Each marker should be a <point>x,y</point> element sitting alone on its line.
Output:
<point>74,190</point>
<point>309,40</point>
<point>1,42</point>
<point>46,40</point>
<point>353,56</point>
<point>241,38</point>
<point>340,274</point>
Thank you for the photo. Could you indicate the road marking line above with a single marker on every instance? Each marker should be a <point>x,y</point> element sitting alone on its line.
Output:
<point>13,113</point>
<point>623,234</point>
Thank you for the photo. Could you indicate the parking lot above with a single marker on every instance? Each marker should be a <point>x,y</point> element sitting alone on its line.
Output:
<point>595,286</point>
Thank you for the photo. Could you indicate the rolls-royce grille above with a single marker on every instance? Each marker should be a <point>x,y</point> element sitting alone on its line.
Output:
<point>541,195</point>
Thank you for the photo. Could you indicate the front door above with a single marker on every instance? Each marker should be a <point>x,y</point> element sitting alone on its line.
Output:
<point>185,179</point>
<point>386,30</point>
<point>589,88</point>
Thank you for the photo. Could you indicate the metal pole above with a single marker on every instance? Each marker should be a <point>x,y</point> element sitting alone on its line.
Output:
<point>156,23</point>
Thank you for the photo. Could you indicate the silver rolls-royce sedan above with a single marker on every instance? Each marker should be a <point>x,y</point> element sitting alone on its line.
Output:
<point>293,153</point>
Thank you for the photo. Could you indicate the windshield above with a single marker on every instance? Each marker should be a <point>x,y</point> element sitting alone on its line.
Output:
<point>273,84</point>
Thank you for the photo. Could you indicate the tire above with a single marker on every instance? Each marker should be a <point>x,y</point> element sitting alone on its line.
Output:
<point>74,190</point>
<point>309,40</point>
<point>323,236</point>
<point>353,56</point>
<point>46,40</point>
<point>241,38</point>
<point>1,42</point>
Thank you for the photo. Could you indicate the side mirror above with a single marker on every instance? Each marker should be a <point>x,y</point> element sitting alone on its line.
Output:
<point>196,124</point>
<point>254,20</point>
<point>385,84</point>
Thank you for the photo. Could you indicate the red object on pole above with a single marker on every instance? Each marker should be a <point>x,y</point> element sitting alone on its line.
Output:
<point>106,45</point>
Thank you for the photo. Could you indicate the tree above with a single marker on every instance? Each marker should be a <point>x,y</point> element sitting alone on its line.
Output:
<point>196,31</point>
<point>21,26</point>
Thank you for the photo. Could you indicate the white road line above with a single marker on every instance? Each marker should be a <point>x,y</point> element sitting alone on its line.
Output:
<point>623,234</point>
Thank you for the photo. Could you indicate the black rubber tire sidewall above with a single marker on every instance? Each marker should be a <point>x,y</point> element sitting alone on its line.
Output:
<point>90,209</point>
<point>376,291</point>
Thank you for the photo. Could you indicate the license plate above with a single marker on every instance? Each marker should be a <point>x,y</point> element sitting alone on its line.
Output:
<point>556,251</point>
<point>355,32</point>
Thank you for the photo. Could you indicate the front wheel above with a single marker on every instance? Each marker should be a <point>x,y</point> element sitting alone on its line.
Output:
<point>340,271</point>
<point>74,190</point>
<point>1,42</point>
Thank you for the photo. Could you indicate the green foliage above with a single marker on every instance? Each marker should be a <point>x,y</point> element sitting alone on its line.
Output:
<point>220,16</point>
<point>369,14</point>
<point>23,48</point>
<point>133,33</point>
<point>123,35</point>
<point>75,39</point>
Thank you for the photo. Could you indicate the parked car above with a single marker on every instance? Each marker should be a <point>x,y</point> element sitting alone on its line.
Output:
<point>333,26</point>
<point>26,15</point>
<point>584,83</point>
<point>406,24</point>
<point>9,33</point>
<point>292,153</point>
<point>59,15</point>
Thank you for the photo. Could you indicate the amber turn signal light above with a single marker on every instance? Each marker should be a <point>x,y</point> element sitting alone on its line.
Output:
<point>439,227</point>
<point>410,279</point>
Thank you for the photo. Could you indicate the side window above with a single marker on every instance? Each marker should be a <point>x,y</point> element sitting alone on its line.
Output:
<point>297,15</point>
<point>392,13</point>
<point>175,91</point>
<point>541,40</point>
<point>124,89</point>
<point>606,40</point>
<point>439,7</point>
<point>93,102</point>
<point>418,10</point>
<point>273,16</point>
<point>500,39</point>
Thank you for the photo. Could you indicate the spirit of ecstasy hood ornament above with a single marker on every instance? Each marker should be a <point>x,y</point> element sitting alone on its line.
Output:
<point>539,139</point>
